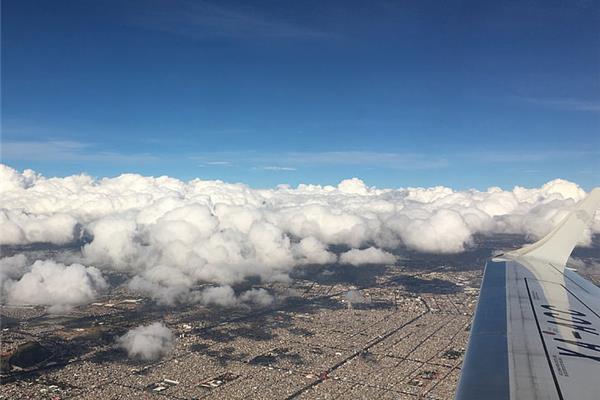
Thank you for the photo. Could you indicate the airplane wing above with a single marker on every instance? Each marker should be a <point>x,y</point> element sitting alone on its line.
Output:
<point>536,330</point>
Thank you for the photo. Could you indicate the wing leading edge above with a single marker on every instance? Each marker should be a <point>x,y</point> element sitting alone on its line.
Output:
<point>536,330</point>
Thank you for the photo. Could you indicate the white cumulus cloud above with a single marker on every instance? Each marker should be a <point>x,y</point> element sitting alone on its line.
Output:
<point>150,342</point>
<point>54,284</point>
<point>171,236</point>
<point>367,256</point>
<point>12,268</point>
<point>258,297</point>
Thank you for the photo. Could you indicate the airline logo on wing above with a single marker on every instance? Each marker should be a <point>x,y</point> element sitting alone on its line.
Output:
<point>569,329</point>
<point>582,328</point>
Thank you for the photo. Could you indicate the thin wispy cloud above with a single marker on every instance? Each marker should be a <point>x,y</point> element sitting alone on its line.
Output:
<point>275,168</point>
<point>293,160</point>
<point>223,163</point>
<point>67,150</point>
<point>370,158</point>
<point>566,104</point>
<point>203,19</point>
<point>526,156</point>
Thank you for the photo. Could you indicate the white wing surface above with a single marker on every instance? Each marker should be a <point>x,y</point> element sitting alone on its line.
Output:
<point>536,330</point>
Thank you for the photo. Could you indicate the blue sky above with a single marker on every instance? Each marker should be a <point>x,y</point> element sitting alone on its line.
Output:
<point>457,93</point>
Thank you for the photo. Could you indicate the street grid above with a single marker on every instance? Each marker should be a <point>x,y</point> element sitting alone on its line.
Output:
<point>314,344</point>
<point>404,338</point>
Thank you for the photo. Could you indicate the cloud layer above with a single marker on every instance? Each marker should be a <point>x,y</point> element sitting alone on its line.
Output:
<point>170,235</point>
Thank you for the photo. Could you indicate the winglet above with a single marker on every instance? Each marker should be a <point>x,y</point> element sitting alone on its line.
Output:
<point>556,247</point>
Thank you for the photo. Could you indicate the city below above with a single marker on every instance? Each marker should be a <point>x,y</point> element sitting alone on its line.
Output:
<point>332,332</point>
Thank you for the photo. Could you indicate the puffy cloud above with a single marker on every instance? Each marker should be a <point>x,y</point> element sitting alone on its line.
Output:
<point>54,284</point>
<point>18,227</point>
<point>150,342</point>
<point>313,251</point>
<point>179,290</point>
<point>12,268</point>
<point>171,236</point>
<point>11,180</point>
<point>353,296</point>
<point>163,293</point>
<point>353,186</point>
<point>114,243</point>
<point>367,256</point>
<point>223,296</point>
<point>258,297</point>
<point>443,231</point>
<point>562,189</point>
